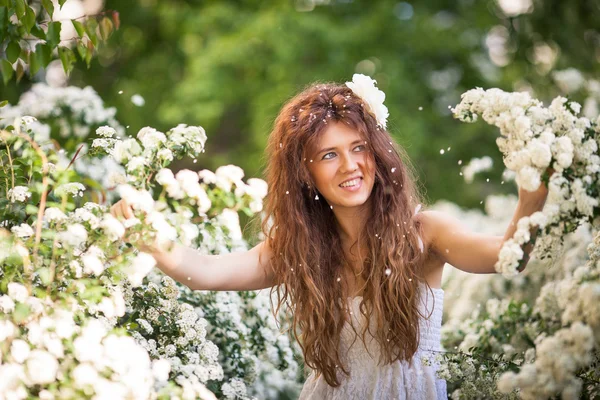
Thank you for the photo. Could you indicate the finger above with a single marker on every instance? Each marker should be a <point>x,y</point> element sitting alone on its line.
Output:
<point>113,211</point>
<point>127,212</point>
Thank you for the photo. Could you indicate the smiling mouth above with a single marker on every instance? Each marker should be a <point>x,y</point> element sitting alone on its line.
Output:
<point>351,184</point>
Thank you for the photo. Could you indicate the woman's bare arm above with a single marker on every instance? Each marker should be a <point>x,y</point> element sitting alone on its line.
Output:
<point>243,270</point>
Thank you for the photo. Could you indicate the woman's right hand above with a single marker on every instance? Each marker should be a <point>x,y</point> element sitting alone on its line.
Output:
<point>121,210</point>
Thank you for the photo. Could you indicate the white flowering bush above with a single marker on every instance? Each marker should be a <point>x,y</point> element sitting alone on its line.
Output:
<point>84,313</point>
<point>532,336</point>
<point>536,335</point>
<point>69,117</point>
<point>535,141</point>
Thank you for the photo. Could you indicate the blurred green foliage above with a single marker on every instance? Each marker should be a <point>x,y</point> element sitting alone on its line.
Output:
<point>30,38</point>
<point>230,65</point>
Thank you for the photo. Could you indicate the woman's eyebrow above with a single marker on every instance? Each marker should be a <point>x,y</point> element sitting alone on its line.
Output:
<point>333,148</point>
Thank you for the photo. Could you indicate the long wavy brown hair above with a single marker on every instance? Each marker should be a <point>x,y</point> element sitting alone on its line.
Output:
<point>308,257</point>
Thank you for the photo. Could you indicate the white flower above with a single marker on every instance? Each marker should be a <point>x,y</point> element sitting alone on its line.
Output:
<point>139,200</point>
<point>165,155</point>
<point>126,149</point>
<point>207,176</point>
<point>22,231</point>
<point>507,382</point>
<point>258,188</point>
<point>151,138</point>
<point>161,369</point>
<point>18,193</point>
<point>53,214</point>
<point>136,164</point>
<point>235,388</point>
<point>191,136</point>
<point>568,80</point>
<point>475,166</point>
<point>138,100</point>
<point>92,264</point>
<point>75,235</point>
<point>7,330</point>
<point>11,376</point>
<point>140,266</point>
<point>19,350</point>
<point>84,214</point>
<point>230,219</point>
<point>364,87</point>
<point>528,178</point>
<point>540,153</point>
<point>64,325</point>
<point>106,131</point>
<point>41,367</point>
<point>17,292</point>
<point>84,374</point>
<point>226,175</point>
<point>113,229</point>
<point>7,305</point>
<point>73,188</point>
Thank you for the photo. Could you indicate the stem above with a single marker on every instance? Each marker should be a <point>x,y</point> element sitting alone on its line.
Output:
<point>38,228</point>
<point>2,135</point>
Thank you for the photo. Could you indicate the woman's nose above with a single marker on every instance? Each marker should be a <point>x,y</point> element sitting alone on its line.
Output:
<point>349,163</point>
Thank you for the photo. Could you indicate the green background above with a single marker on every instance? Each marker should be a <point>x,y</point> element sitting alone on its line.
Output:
<point>230,65</point>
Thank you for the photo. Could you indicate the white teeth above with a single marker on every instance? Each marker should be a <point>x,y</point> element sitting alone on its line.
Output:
<point>350,183</point>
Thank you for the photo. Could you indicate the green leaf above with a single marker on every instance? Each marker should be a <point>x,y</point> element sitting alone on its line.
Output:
<point>21,312</point>
<point>31,209</point>
<point>89,54</point>
<point>90,28</point>
<point>13,50</point>
<point>53,35</point>
<point>4,3</point>
<point>79,28</point>
<point>43,52</point>
<point>20,71</point>
<point>61,2</point>
<point>3,103</point>
<point>3,21</point>
<point>6,70</point>
<point>44,274</point>
<point>34,64</point>
<point>48,6</point>
<point>38,32</point>
<point>29,20</point>
<point>20,8</point>
<point>81,50</point>
<point>67,58</point>
<point>106,28</point>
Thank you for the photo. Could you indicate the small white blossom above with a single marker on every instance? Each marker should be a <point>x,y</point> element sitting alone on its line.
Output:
<point>18,193</point>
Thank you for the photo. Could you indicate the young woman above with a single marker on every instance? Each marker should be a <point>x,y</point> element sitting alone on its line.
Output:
<point>348,248</point>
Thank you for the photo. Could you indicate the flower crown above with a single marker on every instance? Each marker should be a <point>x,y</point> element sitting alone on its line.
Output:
<point>364,87</point>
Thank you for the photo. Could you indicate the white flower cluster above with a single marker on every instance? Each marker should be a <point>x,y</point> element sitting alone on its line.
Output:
<point>364,87</point>
<point>72,188</point>
<point>550,374</point>
<point>73,110</point>
<point>565,291</point>
<point>81,259</point>
<point>18,193</point>
<point>475,166</point>
<point>533,139</point>
<point>50,344</point>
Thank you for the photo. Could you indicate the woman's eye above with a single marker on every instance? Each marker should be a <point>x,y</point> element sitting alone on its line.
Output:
<point>327,158</point>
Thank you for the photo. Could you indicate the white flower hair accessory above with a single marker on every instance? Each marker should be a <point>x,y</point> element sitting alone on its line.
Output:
<point>364,87</point>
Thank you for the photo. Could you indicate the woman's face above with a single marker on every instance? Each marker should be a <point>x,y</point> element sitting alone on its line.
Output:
<point>341,154</point>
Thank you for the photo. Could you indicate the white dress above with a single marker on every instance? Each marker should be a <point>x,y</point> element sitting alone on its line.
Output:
<point>398,380</point>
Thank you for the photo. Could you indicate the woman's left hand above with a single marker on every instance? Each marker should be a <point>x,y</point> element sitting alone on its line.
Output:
<point>537,197</point>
